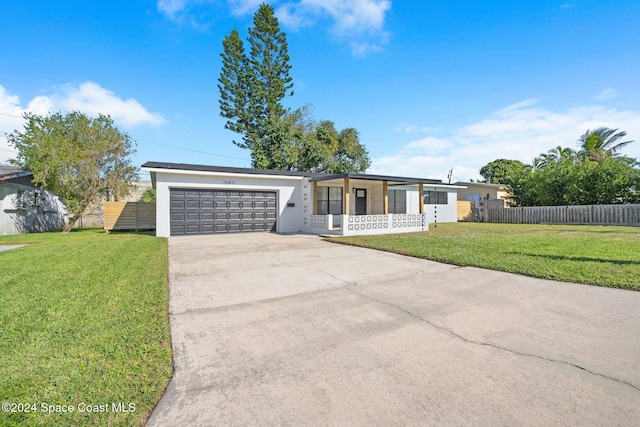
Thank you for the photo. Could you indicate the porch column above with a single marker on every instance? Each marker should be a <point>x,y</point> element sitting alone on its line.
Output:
<point>385,197</point>
<point>421,198</point>
<point>346,193</point>
<point>314,196</point>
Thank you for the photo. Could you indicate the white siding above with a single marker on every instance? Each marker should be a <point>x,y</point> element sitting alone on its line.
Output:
<point>20,215</point>
<point>435,213</point>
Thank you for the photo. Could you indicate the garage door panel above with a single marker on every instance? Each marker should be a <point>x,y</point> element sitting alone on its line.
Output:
<point>232,226</point>
<point>203,211</point>
<point>247,216</point>
<point>178,204</point>
<point>207,228</point>
<point>192,229</point>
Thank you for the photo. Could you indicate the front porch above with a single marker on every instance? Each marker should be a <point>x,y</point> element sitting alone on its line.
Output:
<point>368,224</point>
<point>358,204</point>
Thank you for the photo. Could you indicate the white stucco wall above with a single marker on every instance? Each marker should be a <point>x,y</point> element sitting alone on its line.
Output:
<point>435,213</point>
<point>21,213</point>
<point>288,190</point>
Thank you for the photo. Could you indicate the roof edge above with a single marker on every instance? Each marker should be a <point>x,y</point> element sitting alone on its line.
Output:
<point>224,169</point>
<point>314,176</point>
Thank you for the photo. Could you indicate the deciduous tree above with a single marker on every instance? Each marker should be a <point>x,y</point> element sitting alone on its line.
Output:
<point>79,158</point>
<point>503,171</point>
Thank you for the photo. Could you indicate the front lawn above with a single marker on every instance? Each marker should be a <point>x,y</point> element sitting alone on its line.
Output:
<point>595,255</point>
<point>84,327</point>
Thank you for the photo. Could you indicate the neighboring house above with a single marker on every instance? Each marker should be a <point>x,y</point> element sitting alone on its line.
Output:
<point>26,208</point>
<point>480,194</point>
<point>197,199</point>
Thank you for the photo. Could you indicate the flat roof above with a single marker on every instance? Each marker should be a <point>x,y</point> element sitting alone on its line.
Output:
<point>224,169</point>
<point>315,176</point>
<point>482,184</point>
<point>391,179</point>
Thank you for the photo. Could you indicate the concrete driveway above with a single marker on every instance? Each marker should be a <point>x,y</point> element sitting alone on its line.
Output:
<point>291,330</point>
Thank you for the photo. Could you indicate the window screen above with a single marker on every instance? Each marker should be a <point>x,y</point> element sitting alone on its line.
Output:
<point>397,201</point>
<point>435,197</point>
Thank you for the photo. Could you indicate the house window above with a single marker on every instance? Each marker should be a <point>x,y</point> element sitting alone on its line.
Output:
<point>329,200</point>
<point>397,201</point>
<point>435,197</point>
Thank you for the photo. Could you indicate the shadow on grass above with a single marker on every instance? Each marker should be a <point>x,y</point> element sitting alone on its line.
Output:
<point>140,232</point>
<point>626,230</point>
<point>579,259</point>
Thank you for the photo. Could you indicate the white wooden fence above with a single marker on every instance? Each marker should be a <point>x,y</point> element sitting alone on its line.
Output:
<point>587,214</point>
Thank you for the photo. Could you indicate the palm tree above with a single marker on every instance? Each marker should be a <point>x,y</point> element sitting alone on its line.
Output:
<point>538,162</point>
<point>555,155</point>
<point>596,144</point>
<point>558,154</point>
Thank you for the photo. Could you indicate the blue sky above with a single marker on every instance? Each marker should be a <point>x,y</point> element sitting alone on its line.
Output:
<point>430,85</point>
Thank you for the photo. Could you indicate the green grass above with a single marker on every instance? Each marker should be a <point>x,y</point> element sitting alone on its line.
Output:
<point>603,256</point>
<point>83,319</point>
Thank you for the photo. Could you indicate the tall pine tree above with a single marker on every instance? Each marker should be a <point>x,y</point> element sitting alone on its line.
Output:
<point>234,85</point>
<point>252,88</point>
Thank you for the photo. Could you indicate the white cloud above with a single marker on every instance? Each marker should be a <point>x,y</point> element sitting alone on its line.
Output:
<point>171,7</point>
<point>411,128</point>
<point>427,146</point>
<point>10,120</point>
<point>243,7</point>
<point>359,22</point>
<point>607,93</point>
<point>91,98</point>
<point>187,12</point>
<point>352,15</point>
<point>87,97</point>
<point>520,131</point>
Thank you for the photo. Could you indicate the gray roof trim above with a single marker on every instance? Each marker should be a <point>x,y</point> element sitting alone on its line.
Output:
<point>482,184</point>
<point>398,179</point>
<point>315,176</point>
<point>16,175</point>
<point>225,169</point>
<point>10,170</point>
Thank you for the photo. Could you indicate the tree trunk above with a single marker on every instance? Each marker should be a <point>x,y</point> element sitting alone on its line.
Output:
<point>69,225</point>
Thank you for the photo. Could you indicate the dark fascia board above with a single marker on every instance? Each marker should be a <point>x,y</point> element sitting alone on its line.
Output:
<point>394,179</point>
<point>315,177</point>
<point>225,169</point>
<point>482,184</point>
<point>22,178</point>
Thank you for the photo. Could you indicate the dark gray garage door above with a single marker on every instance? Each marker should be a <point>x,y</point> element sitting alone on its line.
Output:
<point>195,211</point>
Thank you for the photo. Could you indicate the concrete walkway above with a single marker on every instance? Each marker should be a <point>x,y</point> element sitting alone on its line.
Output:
<point>9,247</point>
<point>291,330</point>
